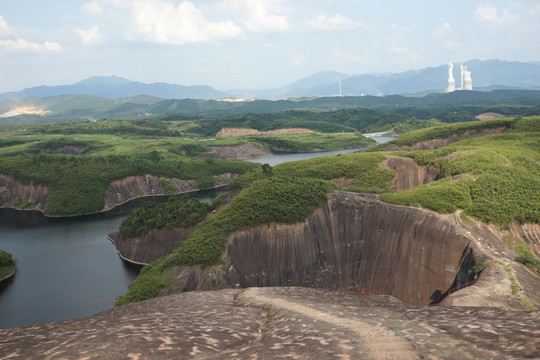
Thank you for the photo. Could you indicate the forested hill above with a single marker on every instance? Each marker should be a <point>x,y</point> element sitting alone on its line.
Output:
<point>83,107</point>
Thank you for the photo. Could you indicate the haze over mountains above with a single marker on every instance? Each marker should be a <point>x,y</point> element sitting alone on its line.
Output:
<point>486,75</point>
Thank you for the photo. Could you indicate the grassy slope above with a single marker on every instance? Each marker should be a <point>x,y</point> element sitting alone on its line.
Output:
<point>504,176</point>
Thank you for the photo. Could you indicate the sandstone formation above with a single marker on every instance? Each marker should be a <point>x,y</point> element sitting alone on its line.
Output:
<point>131,187</point>
<point>236,152</point>
<point>358,243</point>
<point>34,197</point>
<point>15,194</point>
<point>437,143</point>
<point>148,247</point>
<point>226,132</point>
<point>409,174</point>
<point>271,323</point>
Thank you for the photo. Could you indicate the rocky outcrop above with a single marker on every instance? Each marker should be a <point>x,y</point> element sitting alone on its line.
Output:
<point>15,194</point>
<point>148,247</point>
<point>272,323</point>
<point>236,152</point>
<point>437,143</point>
<point>121,191</point>
<point>67,150</point>
<point>356,242</point>
<point>226,132</point>
<point>409,174</point>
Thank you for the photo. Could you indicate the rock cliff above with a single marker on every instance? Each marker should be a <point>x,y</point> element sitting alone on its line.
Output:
<point>409,174</point>
<point>437,143</point>
<point>15,194</point>
<point>358,243</point>
<point>131,187</point>
<point>226,132</point>
<point>151,246</point>
<point>34,197</point>
<point>236,152</point>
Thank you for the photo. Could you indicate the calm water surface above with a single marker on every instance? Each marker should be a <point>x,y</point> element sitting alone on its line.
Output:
<point>67,268</point>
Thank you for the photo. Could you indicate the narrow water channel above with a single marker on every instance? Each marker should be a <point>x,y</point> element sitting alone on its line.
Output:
<point>67,268</point>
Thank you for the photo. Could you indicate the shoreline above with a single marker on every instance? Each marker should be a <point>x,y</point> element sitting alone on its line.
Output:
<point>9,276</point>
<point>108,236</point>
<point>106,211</point>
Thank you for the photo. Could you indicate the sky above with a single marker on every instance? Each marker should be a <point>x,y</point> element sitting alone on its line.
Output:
<point>253,44</point>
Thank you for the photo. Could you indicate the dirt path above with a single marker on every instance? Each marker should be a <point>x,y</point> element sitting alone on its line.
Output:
<point>377,342</point>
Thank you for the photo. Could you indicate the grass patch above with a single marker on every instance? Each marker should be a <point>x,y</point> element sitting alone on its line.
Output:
<point>444,196</point>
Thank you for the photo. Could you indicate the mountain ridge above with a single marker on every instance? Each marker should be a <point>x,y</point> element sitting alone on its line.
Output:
<point>486,74</point>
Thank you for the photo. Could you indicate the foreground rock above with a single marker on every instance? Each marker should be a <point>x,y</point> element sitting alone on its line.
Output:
<point>291,323</point>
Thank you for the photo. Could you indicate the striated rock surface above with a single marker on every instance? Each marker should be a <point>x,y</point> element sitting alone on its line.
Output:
<point>236,152</point>
<point>437,143</point>
<point>15,194</point>
<point>148,247</point>
<point>131,187</point>
<point>357,242</point>
<point>226,132</point>
<point>271,323</point>
<point>409,174</point>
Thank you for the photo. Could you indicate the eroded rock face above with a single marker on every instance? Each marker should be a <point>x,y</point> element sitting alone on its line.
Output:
<point>236,152</point>
<point>409,174</point>
<point>131,187</point>
<point>356,242</point>
<point>148,247</point>
<point>226,132</point>
<point>437,143</point>
<point>15,194</point>
<point>271,323</point>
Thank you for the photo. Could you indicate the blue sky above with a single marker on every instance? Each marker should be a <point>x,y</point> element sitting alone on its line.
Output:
<point>253,44</point>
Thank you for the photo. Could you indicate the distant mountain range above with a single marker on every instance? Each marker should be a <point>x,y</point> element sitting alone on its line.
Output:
<point>113,87</point>
<point>487,75</point>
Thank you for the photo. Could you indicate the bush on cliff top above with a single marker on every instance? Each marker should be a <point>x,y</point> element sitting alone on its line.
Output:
<point>7,264</point>
<point>183,212</point>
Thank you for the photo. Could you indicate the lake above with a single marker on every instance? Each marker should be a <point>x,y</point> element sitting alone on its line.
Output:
<point>67,268</point>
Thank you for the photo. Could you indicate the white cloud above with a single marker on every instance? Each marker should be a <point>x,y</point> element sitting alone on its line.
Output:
<point>92,8</point>
<point>10,42</point>
<point>396,50</point>
<point>22,45</point>
<point>5,29</point>
<point>488,13</point>
<point>332,23</point>
<point>160,21</point>
<point>263,16</point>
<point>442,30</point>
<point>90,36</point>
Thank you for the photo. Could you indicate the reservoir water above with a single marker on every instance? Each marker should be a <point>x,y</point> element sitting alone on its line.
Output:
<point>67,268</point>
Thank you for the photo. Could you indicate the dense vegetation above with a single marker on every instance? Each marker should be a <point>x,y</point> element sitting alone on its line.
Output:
<point>451,107</point>
<point>7,264</point>
<point>176,212</point>
<point>77,184</point>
